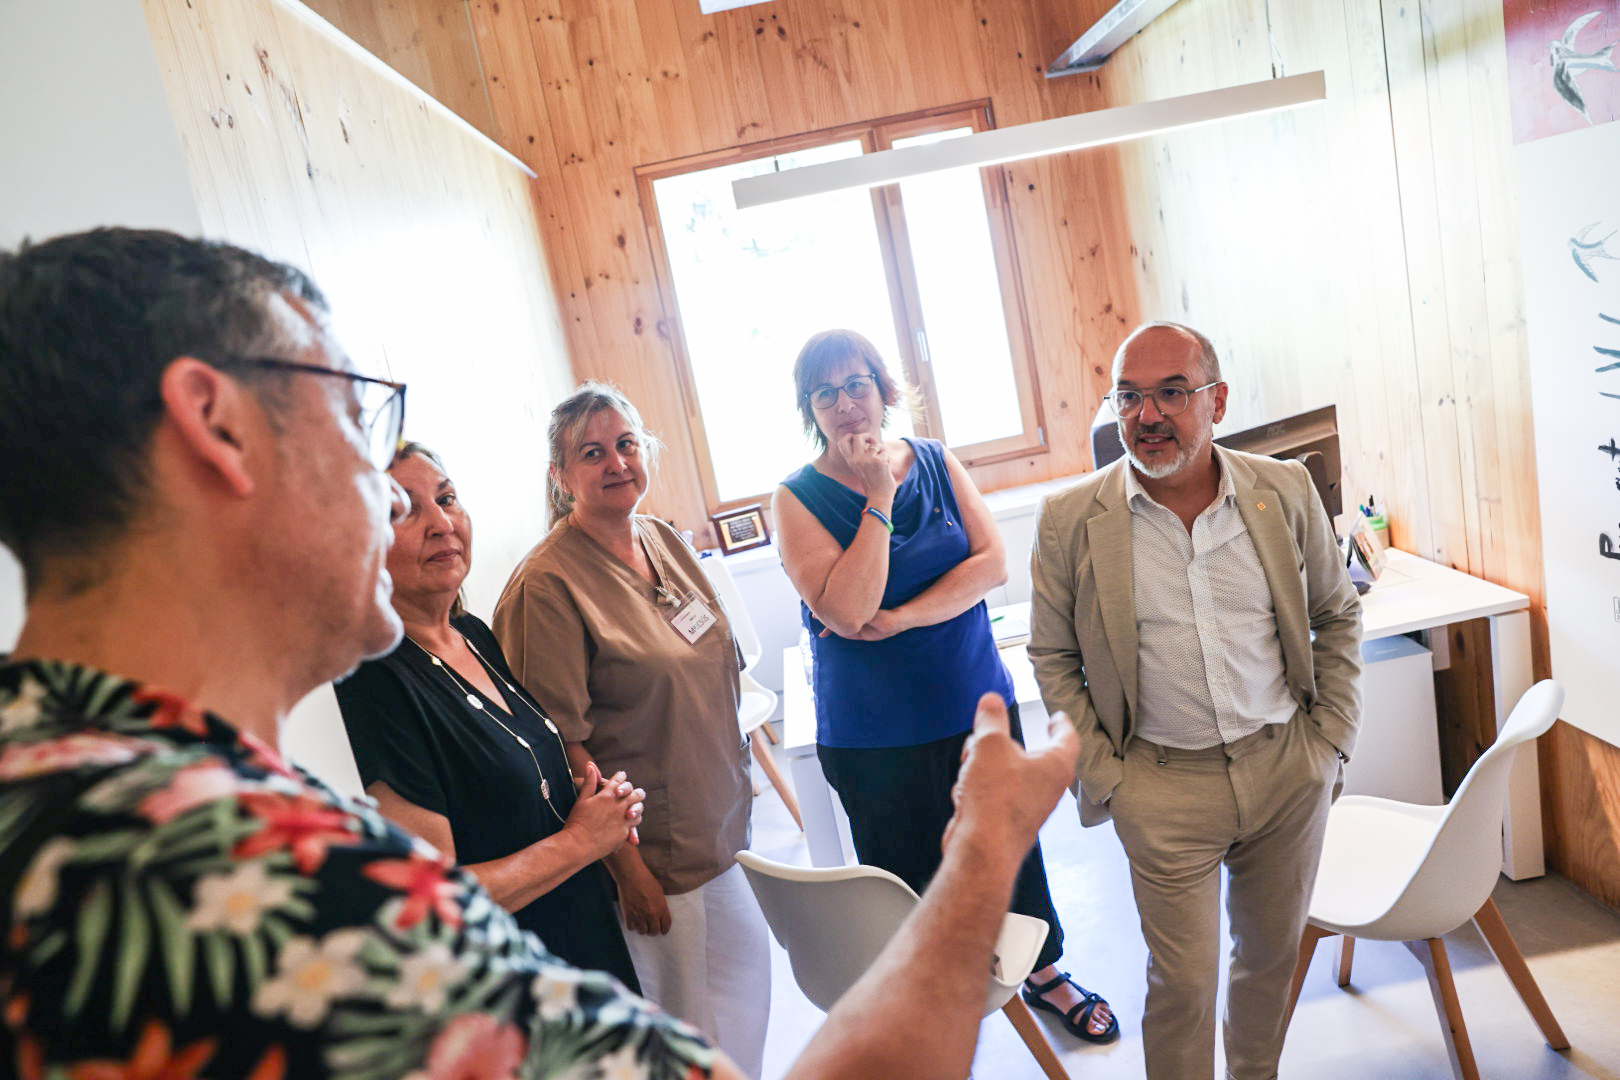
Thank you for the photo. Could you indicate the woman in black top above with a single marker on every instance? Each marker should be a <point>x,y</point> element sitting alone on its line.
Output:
<point>453,749</point>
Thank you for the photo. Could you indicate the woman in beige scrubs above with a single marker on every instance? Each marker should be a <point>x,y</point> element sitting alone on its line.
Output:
<point>612,625</point>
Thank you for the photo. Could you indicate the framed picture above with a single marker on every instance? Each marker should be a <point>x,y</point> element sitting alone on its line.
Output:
<point>1365,550</point>
<point>741,528</point>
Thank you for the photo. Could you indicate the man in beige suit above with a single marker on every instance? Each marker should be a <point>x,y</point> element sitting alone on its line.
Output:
<point>1176,594</point>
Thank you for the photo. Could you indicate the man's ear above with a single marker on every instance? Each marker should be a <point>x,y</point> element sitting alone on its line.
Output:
<point>1219,390</point>
<point>211,414</point>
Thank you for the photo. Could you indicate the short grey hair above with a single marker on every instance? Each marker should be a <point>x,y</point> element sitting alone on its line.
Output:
<point>1208,358</point>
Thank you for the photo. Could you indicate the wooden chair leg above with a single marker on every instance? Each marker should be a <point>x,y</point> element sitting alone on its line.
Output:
<point>1347,949</point>
<point>1489,921</point>
<point>1431,953</point>
<point>1307,949</point>
<point>770,733</point>
<point>1034,1038</point>
<point>767,763</point>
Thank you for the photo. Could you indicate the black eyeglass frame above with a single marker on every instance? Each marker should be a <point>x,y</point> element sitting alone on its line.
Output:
<point>843,387</point>
<point>1112,397</point>
<point>276,363</point>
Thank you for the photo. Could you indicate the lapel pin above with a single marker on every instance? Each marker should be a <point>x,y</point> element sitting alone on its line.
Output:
<point>1260,506</point>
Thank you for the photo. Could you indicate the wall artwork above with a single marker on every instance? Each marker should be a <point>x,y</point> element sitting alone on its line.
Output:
<point>1566,93</point>
<point>1561,65</point>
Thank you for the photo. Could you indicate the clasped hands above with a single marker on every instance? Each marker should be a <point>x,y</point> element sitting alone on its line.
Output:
<point>607,810</point>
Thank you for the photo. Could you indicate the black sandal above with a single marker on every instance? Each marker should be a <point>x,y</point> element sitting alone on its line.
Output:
<point>1078,1019</point>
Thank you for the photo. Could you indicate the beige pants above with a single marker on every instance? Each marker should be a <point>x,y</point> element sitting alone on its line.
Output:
<point>1258,806</point>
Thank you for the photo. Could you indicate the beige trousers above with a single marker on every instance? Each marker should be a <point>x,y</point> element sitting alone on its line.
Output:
<point>1258,806</point>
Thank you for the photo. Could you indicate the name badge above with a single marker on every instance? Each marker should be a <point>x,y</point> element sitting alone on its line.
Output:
<point>693,620</point>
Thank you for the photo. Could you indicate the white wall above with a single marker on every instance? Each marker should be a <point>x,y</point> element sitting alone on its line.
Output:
<point>86,139</point>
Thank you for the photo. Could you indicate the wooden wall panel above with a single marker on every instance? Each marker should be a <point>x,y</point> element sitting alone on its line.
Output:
<point>1580,782</point>
<point>430,42</point>
<point>636,82</point>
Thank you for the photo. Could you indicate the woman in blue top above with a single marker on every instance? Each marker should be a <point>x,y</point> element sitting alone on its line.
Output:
<point>892,549</point>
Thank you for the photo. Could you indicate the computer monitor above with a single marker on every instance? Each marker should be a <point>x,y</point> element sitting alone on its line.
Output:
<point>1311,438</point>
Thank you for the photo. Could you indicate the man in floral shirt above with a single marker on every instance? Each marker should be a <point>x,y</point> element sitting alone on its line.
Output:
<point>193,484</point>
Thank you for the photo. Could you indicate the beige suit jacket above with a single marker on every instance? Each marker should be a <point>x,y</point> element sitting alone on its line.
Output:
<point>1083,614</point>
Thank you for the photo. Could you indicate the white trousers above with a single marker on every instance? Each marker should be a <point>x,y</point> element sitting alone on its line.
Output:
<point>713,968</point>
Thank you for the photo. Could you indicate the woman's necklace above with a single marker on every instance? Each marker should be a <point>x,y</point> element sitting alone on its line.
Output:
<point>465,688</point>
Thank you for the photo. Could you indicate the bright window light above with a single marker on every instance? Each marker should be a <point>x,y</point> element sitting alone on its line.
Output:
<point>751,290</point>
<point>949,231</point>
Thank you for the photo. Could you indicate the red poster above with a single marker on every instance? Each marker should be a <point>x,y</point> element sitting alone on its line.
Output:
<point>1562,71</point>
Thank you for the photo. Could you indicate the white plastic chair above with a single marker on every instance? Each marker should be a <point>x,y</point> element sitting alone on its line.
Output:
<point>756,703</point>
<point>834,920</point>
<point>1395,871</point>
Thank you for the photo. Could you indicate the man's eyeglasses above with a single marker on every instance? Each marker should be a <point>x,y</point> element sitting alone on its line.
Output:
<point>856,386</point>
<point>1169,400</point>
<point>382,404</point>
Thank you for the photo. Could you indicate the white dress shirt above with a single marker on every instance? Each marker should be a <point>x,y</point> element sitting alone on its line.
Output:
<point>1210,665</point>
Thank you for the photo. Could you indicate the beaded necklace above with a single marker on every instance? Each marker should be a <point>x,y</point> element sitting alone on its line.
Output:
<point>477,702</point>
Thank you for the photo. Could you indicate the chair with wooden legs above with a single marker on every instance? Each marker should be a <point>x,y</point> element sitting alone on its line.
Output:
<point>756,703</point>
<point>753,711</point>
<point>834,920</point>
<point>1394,871</point>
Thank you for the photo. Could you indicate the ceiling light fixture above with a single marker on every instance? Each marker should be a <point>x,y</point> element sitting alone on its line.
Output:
<point>1000,145</point>
<point>1123,21</point>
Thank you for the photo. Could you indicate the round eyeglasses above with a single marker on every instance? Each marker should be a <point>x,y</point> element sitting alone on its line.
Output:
<point>856,386</point>
<point>1168,400</point>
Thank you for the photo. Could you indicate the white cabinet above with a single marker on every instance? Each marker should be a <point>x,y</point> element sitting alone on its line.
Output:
<point>1397,754</point>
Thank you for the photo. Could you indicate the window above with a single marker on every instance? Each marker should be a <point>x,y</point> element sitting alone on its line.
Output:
<point>923,268</point>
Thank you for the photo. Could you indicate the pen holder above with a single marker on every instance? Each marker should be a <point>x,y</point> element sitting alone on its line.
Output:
<point>1380,530</point>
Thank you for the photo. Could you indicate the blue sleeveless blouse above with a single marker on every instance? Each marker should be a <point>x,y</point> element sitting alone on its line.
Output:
<point>922,684</point>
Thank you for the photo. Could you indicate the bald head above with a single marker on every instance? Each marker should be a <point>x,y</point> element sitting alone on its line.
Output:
<point>1210,363</point>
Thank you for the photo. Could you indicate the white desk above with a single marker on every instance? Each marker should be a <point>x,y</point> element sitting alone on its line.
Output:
<point>1413,594</point>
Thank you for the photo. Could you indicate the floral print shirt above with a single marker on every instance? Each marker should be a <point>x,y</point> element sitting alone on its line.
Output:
<point>175,901</point>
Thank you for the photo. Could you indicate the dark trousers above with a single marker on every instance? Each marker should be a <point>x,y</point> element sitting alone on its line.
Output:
<point>898,799</point>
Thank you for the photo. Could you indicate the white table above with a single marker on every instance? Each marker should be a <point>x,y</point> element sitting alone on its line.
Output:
<point>1413,594</point>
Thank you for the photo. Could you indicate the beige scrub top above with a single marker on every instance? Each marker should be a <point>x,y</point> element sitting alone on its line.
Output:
<point>592,640</point>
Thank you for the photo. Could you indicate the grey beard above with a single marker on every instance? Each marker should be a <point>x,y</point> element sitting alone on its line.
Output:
<point>1184,457</point>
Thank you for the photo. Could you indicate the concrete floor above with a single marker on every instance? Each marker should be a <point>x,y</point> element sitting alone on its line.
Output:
<point>1383,1028</point>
